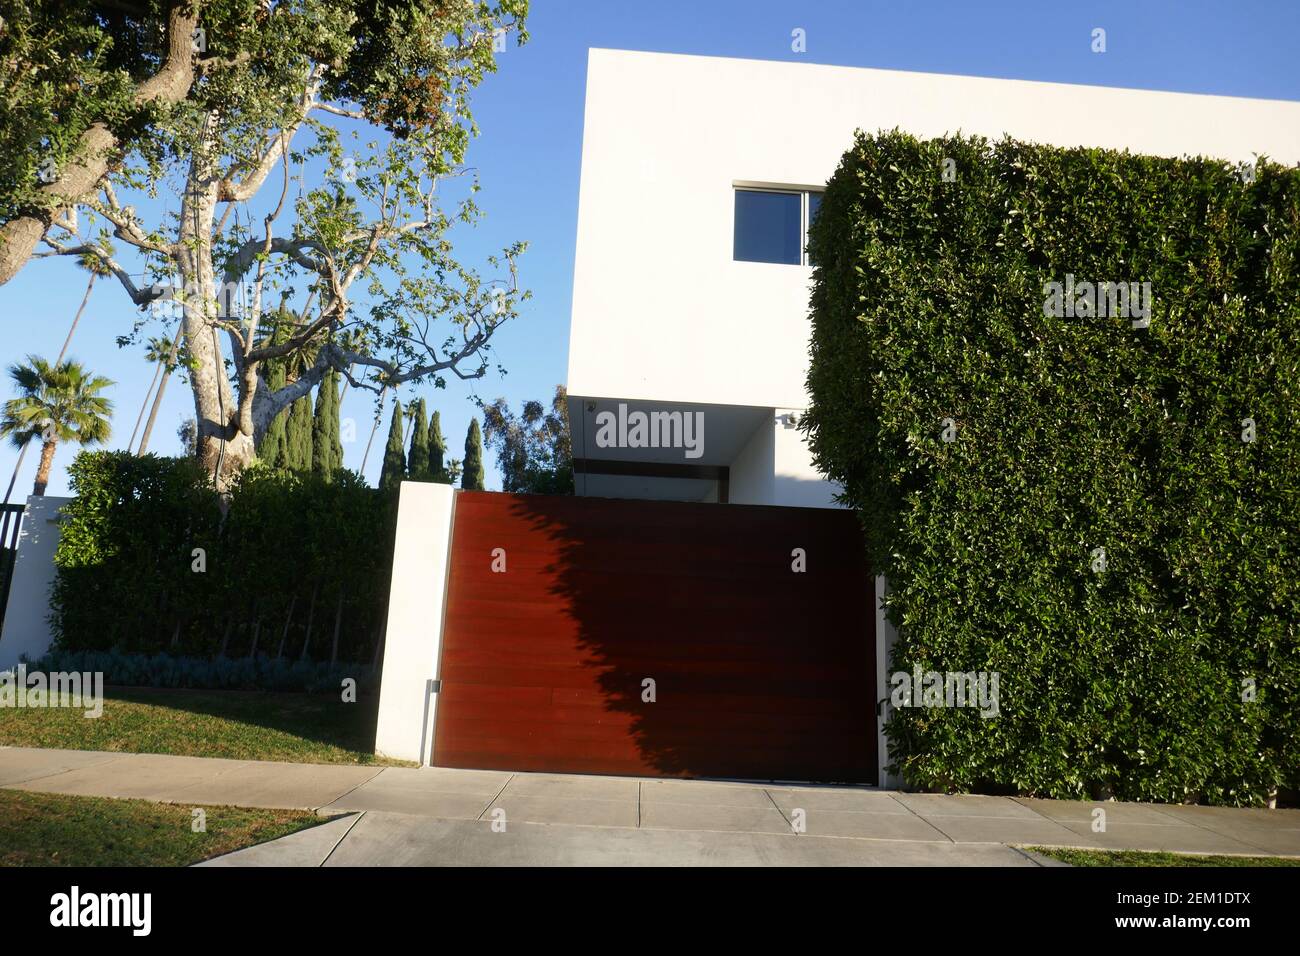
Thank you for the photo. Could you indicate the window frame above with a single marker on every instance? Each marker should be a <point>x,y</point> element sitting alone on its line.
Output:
<point>805,216</point>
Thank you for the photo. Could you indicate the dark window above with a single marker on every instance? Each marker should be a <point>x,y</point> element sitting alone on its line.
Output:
<point>814,203</point>
<point>769,227</point>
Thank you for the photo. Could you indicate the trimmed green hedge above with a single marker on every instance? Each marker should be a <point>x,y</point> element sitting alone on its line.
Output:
<point>210,673</point>
<point>1069,435</point>
<point>296,568</point>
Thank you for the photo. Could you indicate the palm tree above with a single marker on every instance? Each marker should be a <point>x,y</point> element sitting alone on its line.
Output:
<point>157,354</point>
<point>55,403</point>
<point>93,264</point>
<point>383,393</point>
<point>168,366</point>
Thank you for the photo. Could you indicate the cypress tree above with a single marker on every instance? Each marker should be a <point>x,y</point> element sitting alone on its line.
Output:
<point>326,450</point>
<point>391,475</point>
<point>273,447</point>
<point>297,436</point>
<point>437,451</point>
<point>298,432</point>
<point>472,478</point>
<point>336,429</point>
<point>417,459</point>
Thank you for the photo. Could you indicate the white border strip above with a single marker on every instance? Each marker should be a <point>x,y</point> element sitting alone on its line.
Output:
<point>417,604</point>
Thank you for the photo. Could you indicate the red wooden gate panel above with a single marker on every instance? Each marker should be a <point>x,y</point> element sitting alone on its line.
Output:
<point>759,672</point>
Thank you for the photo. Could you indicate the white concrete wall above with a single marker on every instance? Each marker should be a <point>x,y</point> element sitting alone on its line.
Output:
<point>408,707</point>
<point>26,627</point>
<point>775,468</point>
<point>796,482</point>
<point>660,310</point>
<point>752,474</point>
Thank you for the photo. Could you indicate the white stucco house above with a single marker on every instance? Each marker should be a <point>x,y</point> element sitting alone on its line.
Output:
<point>691,286</point>
<point>687,366</point>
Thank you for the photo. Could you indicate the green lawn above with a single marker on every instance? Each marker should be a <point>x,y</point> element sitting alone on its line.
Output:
<point>1144,858</point>
<point>43,829</point>
<point>303,728</point>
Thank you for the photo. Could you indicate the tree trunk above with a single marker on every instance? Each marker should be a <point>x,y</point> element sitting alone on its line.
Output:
<point>225,638</point>
<point>143,405</point>
<point>338,622</point>
<point>157,399</point>
<point>284,635</point>
<point>257,632</point>
<point>18,465</point>
<point>160,615</point>
<point>76,318</point>
<point>18,239</point>
<point>347,380</point>
<point>223,449</point>
<point>311,617</point>
<point>43,470</point>
<point>383,394</point>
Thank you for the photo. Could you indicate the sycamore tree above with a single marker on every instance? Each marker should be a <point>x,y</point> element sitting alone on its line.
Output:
<point>305,157</point>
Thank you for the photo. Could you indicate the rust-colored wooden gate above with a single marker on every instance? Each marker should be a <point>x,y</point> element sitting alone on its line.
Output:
<point>657,638</point>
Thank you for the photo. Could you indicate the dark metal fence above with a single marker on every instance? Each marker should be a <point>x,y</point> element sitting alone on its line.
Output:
<point>11,520</point>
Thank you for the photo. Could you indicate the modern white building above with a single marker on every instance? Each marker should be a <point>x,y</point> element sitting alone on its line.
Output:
<point>690,284</point>
<point>688,361</point>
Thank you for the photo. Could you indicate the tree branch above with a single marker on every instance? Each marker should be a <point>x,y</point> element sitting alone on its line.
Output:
<point>125,226</point>
<point>243,258</point>
<point>339,111</point>
<point>246,188</point>
<point>139,296</point>
<point>99,146</point>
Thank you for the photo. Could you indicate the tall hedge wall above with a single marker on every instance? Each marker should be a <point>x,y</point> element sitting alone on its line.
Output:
<point>297,567</point>
<point>1071,439</point>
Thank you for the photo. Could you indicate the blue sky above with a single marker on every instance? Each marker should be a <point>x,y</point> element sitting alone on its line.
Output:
<point>528,155</point>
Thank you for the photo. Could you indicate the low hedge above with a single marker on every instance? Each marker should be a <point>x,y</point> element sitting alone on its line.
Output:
<point>203,673</point>
<point>1076,503</point>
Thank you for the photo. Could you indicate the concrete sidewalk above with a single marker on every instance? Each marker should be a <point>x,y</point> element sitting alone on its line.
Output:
<point>165,779</point>
<point>438,816</point>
